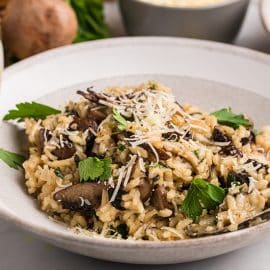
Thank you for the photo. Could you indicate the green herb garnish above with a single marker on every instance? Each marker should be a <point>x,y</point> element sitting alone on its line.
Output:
<point>122,123</point>
<point>93,168</point>
<point>202,195</point>
<point>152,85</point>
<point>158,165</point>
<point>197,153</point>
<point>13,160</point>
<point>121,147</point>
<point>122,229</point>
<point>30,110</point>
<point>90,19</point>
<point>59,173</point>
<point>228,118</point>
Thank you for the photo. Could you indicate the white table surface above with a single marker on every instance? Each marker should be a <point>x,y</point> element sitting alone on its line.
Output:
<point>20,250</point>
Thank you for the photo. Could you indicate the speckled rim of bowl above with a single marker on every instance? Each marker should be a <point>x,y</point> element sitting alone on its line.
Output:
<point>65,234</point>
<point>204,7</point>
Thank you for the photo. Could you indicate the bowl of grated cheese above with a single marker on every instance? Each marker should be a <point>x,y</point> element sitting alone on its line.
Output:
<point>218,20</point>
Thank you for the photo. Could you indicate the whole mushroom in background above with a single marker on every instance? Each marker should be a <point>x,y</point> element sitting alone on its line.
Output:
<point>33,26</point>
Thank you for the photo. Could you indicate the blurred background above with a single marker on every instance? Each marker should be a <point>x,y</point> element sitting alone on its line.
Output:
<point>30,27</point>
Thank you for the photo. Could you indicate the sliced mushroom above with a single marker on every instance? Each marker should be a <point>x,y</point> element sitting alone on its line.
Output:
<point>90,95</point>
<point>250,139</point>
<point>83,124</point>
<point>257,164</point>
<point>230,150</point>
<point>121,136</point>
<point>118,200</point>
<point>163,155</point>
<point>90,143</point>
<point>66,151</point>
<point>77,160</point>
<point>44,135</point>
<point>96,115</point>
<point>92,148</point>
<point>72,112</point>
<point>159,198</point>
<point>219,136</point>
<point>80,197</point>
<point>241,178</point>
<point>172,136</point>
<point>145,188</point>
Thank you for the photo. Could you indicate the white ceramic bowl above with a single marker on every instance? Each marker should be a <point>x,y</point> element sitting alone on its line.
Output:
<point>219,22</point>
<point>208,83</point>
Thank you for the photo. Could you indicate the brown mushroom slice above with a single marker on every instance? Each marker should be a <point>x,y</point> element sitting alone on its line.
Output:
<point>159,198</point>
<point>44,135</point>
<point>96,115</point>
<point>95,149</point>
<point>145,188</point>
<point>83,124</point>
<point>163,155</point>
<point>80,197</point>
<point>230,150</point>
<point>66,151</point>
<point>219,136</point>
<point>90,95</point>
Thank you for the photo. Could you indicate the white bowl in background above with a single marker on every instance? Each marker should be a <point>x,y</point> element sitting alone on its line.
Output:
<point>207,74</point>
<point>218,22</point>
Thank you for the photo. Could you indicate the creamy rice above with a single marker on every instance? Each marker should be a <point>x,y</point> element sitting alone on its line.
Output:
<point>163,148</point>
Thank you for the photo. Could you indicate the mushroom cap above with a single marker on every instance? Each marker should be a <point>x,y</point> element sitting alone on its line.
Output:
<point>82,196</point>
<point>31,26</point>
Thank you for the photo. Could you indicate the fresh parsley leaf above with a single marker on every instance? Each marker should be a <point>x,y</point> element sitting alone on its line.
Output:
<point>90,19</point>
<point>93,168</point>
<point>30,110</point>
<point>122,229</point>
<point>228,118</point>
<point>59,173</point>
<point>13,160</point>
<point>202,195</point>
<point>121,147</point>
<point>107,172</point>
<point>122,123</point>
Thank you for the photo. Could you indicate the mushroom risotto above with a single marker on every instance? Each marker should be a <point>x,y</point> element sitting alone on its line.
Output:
<point>133,163</point>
